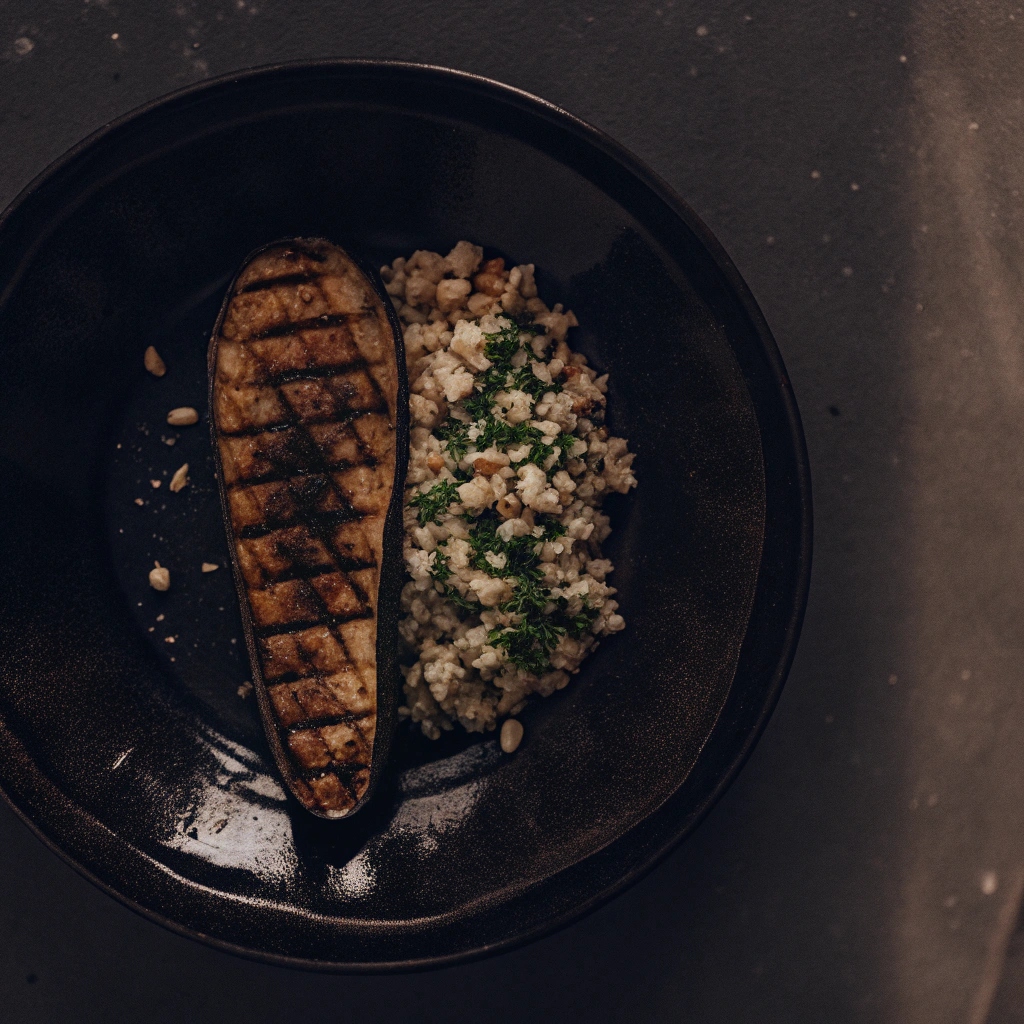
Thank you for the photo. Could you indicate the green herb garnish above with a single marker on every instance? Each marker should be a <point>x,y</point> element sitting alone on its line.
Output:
<point>433,503</point>
<point>456,435</point>
<point>501,347</point>
<point>538,621</point>
<point>441,572</point>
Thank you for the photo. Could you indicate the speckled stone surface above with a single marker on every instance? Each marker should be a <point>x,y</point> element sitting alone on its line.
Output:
<point>867,864</point>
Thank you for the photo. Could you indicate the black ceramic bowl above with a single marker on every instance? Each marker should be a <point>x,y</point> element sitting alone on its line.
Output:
<point>134,756</point>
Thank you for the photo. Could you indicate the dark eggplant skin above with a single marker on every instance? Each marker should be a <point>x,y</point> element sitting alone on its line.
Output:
<point>391,566</point>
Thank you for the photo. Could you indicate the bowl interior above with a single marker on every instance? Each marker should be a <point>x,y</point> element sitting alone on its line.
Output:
<point>120,706</point>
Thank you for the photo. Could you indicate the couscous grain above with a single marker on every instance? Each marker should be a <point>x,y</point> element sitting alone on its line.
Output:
<point>509,464</point>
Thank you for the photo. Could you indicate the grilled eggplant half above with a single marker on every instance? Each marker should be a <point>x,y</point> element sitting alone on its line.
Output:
<point>309,415</point>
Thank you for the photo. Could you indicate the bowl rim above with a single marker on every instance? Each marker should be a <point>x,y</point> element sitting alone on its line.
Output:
<point>600,140</point>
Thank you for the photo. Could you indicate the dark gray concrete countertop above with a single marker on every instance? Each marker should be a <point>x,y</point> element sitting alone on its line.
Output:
<point>861,164</point>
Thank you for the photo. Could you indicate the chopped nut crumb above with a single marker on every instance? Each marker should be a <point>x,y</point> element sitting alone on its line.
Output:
<point>139,501</point>
<point>168,440</point>
<point>154,363</point>
<point>160,617</point>
<point>159,578</point>
<point>168,639</point>
<point>245,689</point>
<point>511,735</point>
<point>155,483</point>
<point>184,416</point>
<point>210,566</point>
<point>179,479</point>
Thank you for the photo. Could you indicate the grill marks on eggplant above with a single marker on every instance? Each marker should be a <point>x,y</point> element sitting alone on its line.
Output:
<point>305,401</point>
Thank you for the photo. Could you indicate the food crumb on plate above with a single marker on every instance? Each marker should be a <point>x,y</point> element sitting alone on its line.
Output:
<point>159,577</point>
<point>183,416</point>
<point>245,689</point>
<point>152,361</point>
<point>511,735</point>
<point>210,566</point>
<point>180,479</point>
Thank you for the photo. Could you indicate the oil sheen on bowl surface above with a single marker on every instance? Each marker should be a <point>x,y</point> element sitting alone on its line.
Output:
<point>123,739</point>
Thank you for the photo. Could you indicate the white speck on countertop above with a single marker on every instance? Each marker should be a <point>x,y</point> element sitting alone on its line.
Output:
<point>120,761</point>
<point>702,30</point>
<point>973,126</point>
<point>815,175</point>
<point>115,36</point>
<point>23,46</point>
<point>989,883</point>
<point>847,271</point>
<point>903,58</point>
<point>854,187</point>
